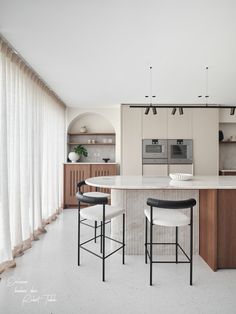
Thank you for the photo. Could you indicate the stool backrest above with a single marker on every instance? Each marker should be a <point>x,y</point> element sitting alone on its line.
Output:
<point>154,202</point>
<point>89,199</point>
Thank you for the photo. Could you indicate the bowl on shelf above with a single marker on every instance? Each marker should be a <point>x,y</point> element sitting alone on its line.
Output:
<point>181,176</point>
<point>106,159</point>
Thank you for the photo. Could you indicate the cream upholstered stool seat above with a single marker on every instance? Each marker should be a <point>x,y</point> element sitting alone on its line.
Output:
<point>166,213</point>
<point>167,217</point>
<point>96,212</point>
<point>97,194</point>
<point>99,210</point>
<point>92,194</point>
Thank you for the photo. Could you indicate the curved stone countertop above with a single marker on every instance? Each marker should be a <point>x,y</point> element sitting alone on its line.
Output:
<point>162,182</point>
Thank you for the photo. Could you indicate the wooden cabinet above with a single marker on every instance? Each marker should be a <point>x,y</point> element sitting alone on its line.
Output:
<point>73,173</point>
<point>226,217</point>
<point>217,221</point>
<point>101,170</point>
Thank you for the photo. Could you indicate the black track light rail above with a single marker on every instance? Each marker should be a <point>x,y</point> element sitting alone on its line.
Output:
<point>182,106</point>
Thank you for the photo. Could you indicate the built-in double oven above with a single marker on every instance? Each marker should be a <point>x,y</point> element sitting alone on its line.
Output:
<point>171,151</point>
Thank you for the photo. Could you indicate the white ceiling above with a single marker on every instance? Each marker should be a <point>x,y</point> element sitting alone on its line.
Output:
<point>97,53</point>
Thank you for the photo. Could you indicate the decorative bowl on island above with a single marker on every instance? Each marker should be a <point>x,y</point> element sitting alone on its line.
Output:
<point>181,176</point>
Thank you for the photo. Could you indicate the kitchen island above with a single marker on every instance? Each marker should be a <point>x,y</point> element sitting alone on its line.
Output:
<point>214,214</point>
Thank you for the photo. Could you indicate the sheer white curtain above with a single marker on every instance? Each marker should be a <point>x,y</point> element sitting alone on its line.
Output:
<point>31,157</point>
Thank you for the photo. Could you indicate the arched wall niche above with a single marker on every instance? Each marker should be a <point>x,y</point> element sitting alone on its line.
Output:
<point>94,123</point>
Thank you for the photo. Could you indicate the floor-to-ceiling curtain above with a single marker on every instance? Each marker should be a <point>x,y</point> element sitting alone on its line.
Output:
<point>31,156</point>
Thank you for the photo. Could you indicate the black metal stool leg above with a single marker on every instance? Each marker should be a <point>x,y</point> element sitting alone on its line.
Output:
<point>101,238</point>
<point>146,223</point>
<point>79,234</point>
<point>123,250</point>
<point>176,245</point>
<point>151,226</point>
<point>103,245</point>
<point>95,231</point>
<point>191,247</point>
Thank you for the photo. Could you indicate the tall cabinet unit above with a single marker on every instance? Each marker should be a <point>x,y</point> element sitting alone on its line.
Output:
<point>180,126</point>
<point>206,141</point>
<point>131,135</point>
<point>200,125</point>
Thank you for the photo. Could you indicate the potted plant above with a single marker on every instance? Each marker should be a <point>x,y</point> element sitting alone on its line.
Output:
<point>79,150</point>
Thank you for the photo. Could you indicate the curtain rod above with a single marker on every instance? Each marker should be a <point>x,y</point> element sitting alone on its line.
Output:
<point>21,60</point>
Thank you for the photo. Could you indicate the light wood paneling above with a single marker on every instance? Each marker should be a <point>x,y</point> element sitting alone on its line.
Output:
<point>101,171</point>
<point>72,175</point>
<point>208,227</point>
<point>227,229</point>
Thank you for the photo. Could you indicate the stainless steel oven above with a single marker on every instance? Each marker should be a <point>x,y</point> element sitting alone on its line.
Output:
<point>155,151</point>
<point>180,151</point>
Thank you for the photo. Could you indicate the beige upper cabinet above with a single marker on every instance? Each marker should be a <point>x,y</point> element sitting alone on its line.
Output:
<point>225,116</point>
<point>180,126</point>
<point>155,126</point>
<point>131,141</point>
<point>206,141</point>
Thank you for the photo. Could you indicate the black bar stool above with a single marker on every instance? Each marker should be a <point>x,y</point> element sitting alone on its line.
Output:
<point>166,213</point>
<point>92,194</point>
<point>99,211</point>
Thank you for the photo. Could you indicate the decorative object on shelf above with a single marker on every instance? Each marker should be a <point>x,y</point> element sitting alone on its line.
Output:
<point>83,129</point>
<point>221,135</point>
<point>154,107</point>
<point>79,150</point>
<point>181,176</point>
<point>73,157</point>
<point>93,141</point>
<point>89,141</point>
<point>106,159</point>
<point>104,141</point>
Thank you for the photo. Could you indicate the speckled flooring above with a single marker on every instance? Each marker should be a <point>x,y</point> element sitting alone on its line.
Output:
<point>47,280</point>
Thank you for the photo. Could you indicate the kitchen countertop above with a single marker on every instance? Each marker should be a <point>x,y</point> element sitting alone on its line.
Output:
<point>90,163</point>
<point>228,170</point>
<point>149,183</point>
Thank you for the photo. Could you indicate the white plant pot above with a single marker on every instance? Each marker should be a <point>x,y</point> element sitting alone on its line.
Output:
<point>73,156</point>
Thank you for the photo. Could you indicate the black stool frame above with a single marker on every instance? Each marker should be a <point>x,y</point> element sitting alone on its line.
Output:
<point>96,226</point>
<point>190,203</point>
<point>95,201</point>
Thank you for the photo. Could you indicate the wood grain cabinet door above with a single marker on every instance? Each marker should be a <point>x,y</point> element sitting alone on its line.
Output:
<point>226,229</point>
<point>72,175</point>
<point>102,170</point>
